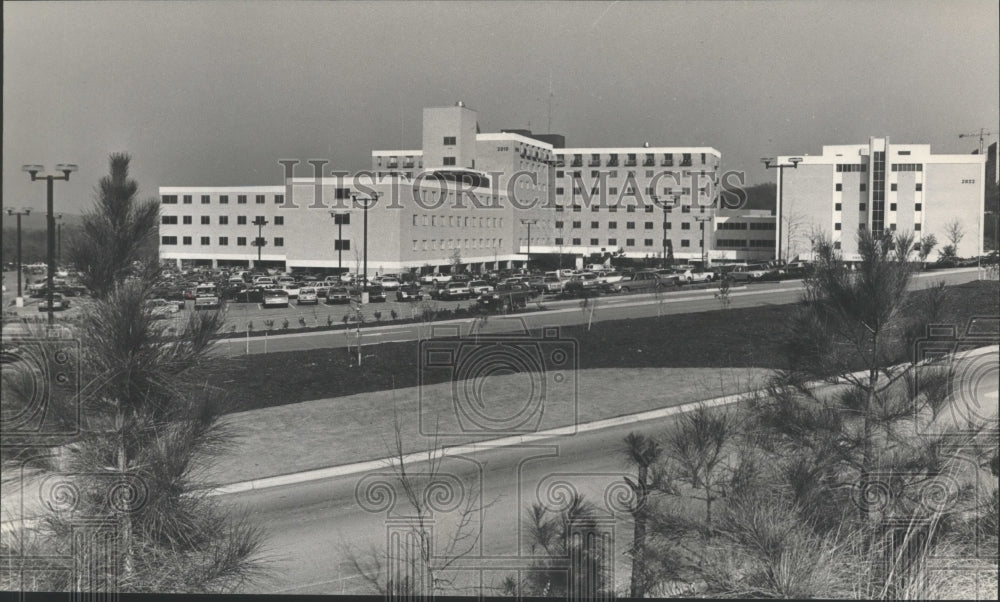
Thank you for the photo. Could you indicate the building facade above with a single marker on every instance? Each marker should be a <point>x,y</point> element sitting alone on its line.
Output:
<point>880,187</point>
<point>466,199</point>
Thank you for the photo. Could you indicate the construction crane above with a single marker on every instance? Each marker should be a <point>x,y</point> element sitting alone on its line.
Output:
<point>983,133</point>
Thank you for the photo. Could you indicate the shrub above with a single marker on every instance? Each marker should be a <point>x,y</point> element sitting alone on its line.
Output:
<point>284,324</point>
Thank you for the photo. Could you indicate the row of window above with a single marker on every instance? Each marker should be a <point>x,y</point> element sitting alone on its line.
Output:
<point>628,208</point>
<point>892,227</point>
<point>241,241</point>
<point>894,187</point>
<point>629,242</point>
<point>223,220</point>
<point>457,221</point>
<point>650,173</point>
<point>444,244</point>
<point>628,225</point>
<point>630,191</point>
<point>864,206</point>
<point>740,243</point>
<point>206,199</point>
<point>649,159</point>
<point>745,226</point>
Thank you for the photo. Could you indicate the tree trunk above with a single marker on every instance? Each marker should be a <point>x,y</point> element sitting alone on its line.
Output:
<point>638,582</point>
<point>125,515</point>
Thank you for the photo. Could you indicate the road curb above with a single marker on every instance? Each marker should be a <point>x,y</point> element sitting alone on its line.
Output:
<point>348,469</point>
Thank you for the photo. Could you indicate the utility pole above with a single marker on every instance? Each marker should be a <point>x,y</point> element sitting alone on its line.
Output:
<point>983,133</point>
<point>703,219</point>
<point>367,202</point>
<point>667,206</point>
<point>528,222</point>
<point>793,162</point>
<point>19,213</point>
<point>339,219</point>
<point>260,221</point>
<point>50,222</point>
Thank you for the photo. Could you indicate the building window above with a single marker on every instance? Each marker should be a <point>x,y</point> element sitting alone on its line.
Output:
<point>836,245</point>
<point>168,240</point>
<point>559,241</point>
<point>224,199</point>
<point>686,226</point>
<point>223,241</point>
<point>667,225</point>
<point>836,226</point>
<point>594,242</point>
<point>918,206</point>
<point>205,199</point>
<point>344,219</point>
<point>279,241</point>
<point>630,225</point>
<point>595,225</point>
<point>342,245</point>
<point>241,241</point>
<point>206,240</point>
<point>612,242</point>
<point>206,220</point>
<point>279,220</point>
<point>920,186</point>
<point>686,208</point>
<point>576,224</point>
<point>187,219</point>
<point>169,199</point>
<point>168,219</point>
<point>576,241</point>
<point>241,220</point>
<point>648,225</point>
<point>864,187</point>
<point>559,190</point>
<point>612,225</point>
<point>260,199</point>
<point>892,187</point>
<point>837,207</point>
<point>595,209</point>
<point>449,141</point>
<point>449,160</point>
<point>862,206</point>
<point>279,199</point>
<point>916,227</point>
<point>630,208</point>
<point>629,242</point>
<point>559,225</point>
<point>838,187</point>
<point>187,199</point>
<point>647,242</point>
<point>892,206</point>
<point>241,199</point>
<point>685,242</point>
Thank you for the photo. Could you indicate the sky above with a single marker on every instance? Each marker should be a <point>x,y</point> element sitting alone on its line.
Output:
<point>215,93</point>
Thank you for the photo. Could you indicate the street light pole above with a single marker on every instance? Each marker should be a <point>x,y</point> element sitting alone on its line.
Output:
<point>528,222</point>
<point>59,238</point>
<point>794,163</point>
<point>368,201</point>
<point>667,206</point>
<point>50,221</point>
<point>19,213</point>
<point>259,242</point>
<point>703,219</point>
<point>338,218</point>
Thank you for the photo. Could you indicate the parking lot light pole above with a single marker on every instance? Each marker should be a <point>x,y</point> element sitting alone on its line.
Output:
<point>19,213</point>
<point>528,222</point>
<point>338,218</point>
<point>59,239</point>
<point>793,162</point>
<point>259,242</point>
<point>50,221</point>
<point>703,219</point>
<point>367,202</point>
<point>667,206</point>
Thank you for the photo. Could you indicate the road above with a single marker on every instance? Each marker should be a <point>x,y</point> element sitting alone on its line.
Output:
<point>557,313</point>
<point>312,525</point>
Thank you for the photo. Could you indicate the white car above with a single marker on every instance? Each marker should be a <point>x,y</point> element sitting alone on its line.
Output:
<point>292,288</point>
<point>479,287</point>
<point>389,283</point>
<point>274,297</point>
<point>161,308</point>
<point>435,278</point>
<point>263,281</point>
<point>609,276</point>
<point>206,296</point>
<point>697,275</point>
<point>308,294</point>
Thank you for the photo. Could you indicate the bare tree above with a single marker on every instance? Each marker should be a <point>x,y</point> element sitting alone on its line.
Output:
<point>954,232</point>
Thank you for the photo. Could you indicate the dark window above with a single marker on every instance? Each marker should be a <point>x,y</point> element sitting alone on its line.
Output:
<point>168,219</point>
<point>649,225</point>
<point>279,199</point>
<point>864,187</point>
<point>630,225</point>
<point>186,240</point>
<point>918,206</point>
<point>168,240</point>
<point>836,245</point>
<point>685,242</point>
<point>612,225</point>
<point>837,207</point>
<point>279,220</point>
<point>343,219</point>
<point>559,225</point>
<point>629,242</point>
<point>916,227</point>
<point>223,241</point>
<point>892,187</point>
<point>241,220</point>
<point>279,241</point>
<point>612,242</point>
<point>449,160</point>
<point>169,199</point>
<point>685,226</point>
<point>593,241</point>
<point>559,190</point>
<point>206,220</point>
<point>187,199</point>
<point>920,186</point>
<point>206,240</point>
<point>241,241</point>
<point>342,245</point>
<point>576,241</point>
<point>187,219</point>
<point>576,224</point>
<point>206,199</point>
<point>649,208</point>
<point>838,187</point>
<point>595,224</point>
<point>224,199</point>
<point>223,220</point>
<point>862,207</point>
<point>241,199</point>
<point>648,242</point>
<point>892,206</point>
<point>559,241</point>
<point>836,226</point>
<point>450,140</point>
<point>260,199</point>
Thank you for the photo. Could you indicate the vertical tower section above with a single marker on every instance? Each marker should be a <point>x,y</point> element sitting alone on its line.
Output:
<point>879,150</point>
<point>449,137</point>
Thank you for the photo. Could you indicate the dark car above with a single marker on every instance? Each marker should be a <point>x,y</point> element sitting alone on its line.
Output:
<point>409,292</point>
<point>376,293</point>
<point>338,294</point>
<point>506,297</point>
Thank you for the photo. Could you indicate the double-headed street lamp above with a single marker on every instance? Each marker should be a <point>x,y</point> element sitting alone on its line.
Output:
<point>340,218</point>
<point>50,222</point>
<point>260,221</point>
<point>59,217</point>
<point>793,162</point>
<point>19,213</point>
<point>366,201</point>
<point>667,205</point>
<point>528,222</point>
<point>703,219</point>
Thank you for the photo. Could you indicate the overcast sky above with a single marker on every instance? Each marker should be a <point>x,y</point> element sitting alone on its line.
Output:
<point>214,93</point>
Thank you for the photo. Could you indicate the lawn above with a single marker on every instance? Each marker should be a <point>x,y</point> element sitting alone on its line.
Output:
<point>734,338</point>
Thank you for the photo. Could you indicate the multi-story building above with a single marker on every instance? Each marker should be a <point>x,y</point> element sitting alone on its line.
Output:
<point>468,199</point>
<point>879,186</point>
<point>744,235</point>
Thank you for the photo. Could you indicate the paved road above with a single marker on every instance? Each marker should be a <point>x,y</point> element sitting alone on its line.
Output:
<point>561,313</point>
<point>312,524</point>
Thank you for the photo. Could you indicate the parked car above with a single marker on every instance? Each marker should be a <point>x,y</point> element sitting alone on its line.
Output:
<point>161,308</point>
<point>461,278</point>
<point>292,288</point>
<point>263,280</point>
<point>58,302</point>
<point>375,293</point>
<point>506,297</point>
<point>697,275</point>
<point>478,287</point>
<point>456,290</point>
<point>206,296</point>
<point>749,273</point>
<point>410,291</point>
<point>308,296</point>
<point>608,276</point>
<point>389,283</point>
<point>641,281</point>
<point>338,294</point>
<point>274,297</point>
<point>585,283</point>
<point>435,278</point>
<point>553,284</point>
